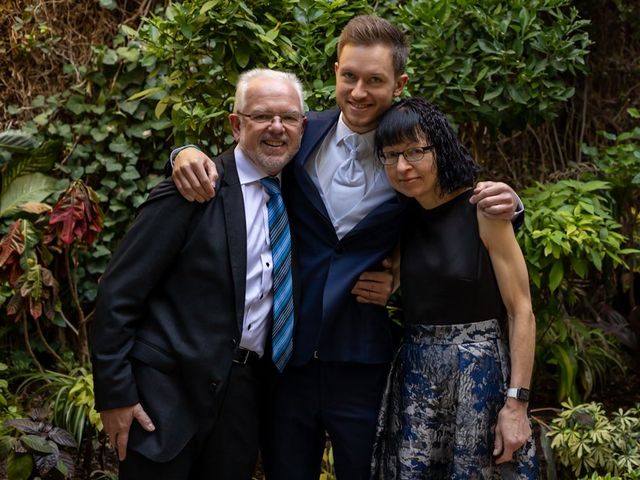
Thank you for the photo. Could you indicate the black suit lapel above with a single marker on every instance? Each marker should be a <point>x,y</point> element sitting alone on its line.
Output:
<point>233,204</point>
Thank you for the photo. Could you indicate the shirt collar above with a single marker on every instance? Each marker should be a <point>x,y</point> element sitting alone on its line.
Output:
<point>248,172</point>
<point>343,131</point>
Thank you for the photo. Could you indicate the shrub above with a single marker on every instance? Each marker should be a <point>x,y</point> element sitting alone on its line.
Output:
<point>569,235</point>
<point>497,64</point>
<point>590,443</point>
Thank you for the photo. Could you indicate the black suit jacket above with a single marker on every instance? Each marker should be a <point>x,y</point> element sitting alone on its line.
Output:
<point>170,310</point>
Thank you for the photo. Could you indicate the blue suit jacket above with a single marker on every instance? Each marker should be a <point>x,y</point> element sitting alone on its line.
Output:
<point>331,324</point>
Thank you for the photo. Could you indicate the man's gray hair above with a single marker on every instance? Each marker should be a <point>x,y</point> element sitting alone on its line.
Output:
<point>246,77</point>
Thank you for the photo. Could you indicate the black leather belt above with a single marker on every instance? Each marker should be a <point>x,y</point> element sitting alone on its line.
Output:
<point>242,356</point>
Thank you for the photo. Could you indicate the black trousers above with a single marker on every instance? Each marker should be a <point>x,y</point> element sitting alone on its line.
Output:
<point>225,446</point>
<point>341,399</point>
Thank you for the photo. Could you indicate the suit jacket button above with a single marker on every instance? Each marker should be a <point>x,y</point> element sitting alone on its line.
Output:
<point>339,249</point>
<point>234,342</point>
<point>213,386</point>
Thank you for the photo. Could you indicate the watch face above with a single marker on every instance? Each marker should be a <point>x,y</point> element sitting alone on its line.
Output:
<point>523,394</point>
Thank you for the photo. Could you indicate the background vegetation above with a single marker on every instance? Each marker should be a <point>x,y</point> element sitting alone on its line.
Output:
<point>94,95</point>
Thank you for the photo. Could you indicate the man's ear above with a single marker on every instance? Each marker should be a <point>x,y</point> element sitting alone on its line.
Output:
<point>400,81</point>
<point>234,121</point>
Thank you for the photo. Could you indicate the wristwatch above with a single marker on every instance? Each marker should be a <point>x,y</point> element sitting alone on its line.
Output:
<point>521,394</point>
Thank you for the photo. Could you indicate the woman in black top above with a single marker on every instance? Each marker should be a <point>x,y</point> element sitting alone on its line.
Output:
<point>453,407</point>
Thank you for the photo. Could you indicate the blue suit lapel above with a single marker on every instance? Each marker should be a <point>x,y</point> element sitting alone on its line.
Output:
<point>318,126</point>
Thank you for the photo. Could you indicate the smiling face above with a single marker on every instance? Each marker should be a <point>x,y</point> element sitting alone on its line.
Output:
<point>269,145</point>
<point>366,84</point>
<point>417,180</point>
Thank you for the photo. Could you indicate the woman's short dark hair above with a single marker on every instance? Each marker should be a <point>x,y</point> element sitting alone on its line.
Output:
<point>410,119</point>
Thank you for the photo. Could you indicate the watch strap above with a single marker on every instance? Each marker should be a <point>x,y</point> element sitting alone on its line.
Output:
<point>521,394</point>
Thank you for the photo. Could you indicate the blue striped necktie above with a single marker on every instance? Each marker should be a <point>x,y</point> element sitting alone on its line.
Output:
<point>282,329</point>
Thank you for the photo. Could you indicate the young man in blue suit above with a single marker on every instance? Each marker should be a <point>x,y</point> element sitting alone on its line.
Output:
<point>183,341</point>
<point>345,219</point>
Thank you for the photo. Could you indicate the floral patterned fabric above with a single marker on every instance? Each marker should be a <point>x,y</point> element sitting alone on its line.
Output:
<point>438,415</point>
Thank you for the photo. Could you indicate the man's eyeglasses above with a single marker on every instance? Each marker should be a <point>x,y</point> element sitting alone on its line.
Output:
<point>413,154</point>
<point>291,119</point>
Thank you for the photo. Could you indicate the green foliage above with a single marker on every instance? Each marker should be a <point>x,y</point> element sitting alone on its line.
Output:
<point>71,398</point>
<point>500,63</point>
<point>21,162</point>
<point>196,50</point>
<point>619,163</point>
<point>37,448</point>
<point>583,355</point>
<point>569,228</point>
<point>113,143</point>
<point>27,189</point>
<point>589,443</point>
<point>569,235</point>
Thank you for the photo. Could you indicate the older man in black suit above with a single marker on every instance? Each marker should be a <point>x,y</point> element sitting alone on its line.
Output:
<point>183,336</point>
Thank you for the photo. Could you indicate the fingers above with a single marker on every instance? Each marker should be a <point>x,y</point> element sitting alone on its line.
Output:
<point>204,187</point>
<point>387,263</point>
<point>194,175</point>
<point>117,422</point>
<point>143,419</point>
<point>495,200</point>
<point>374,288</point>
<point>497,444</point>
<point>122,439</point>
<point>212,175</point>
<point>512,431</point>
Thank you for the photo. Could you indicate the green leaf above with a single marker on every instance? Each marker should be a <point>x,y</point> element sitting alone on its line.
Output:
<point>493,93</point>
<point>145,93</point>
<point>39,444</point>
<point>110,57</point>
<point>563,357</point>
<point>161,106</point>
<point>40,159</point>
<point>516,94</point>
<point>130,55</point>
<point>556,275</point>
<point>108,4</point>
<point>128,31</point>
<point>242,56</point>
<point>19,467</point>
<point>28,188</point>
<point>208,6</point>
<point>16,142</point>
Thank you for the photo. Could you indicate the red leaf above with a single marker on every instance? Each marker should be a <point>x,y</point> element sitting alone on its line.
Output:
<point>12,247</point>
<point>76,215</point>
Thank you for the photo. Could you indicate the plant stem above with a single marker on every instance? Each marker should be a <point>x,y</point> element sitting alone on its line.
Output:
<point>48,346</point>
<point>25,330</point>
<point>82,321</point>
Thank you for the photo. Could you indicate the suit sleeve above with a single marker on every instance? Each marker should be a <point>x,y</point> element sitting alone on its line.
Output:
<point>146,251</point>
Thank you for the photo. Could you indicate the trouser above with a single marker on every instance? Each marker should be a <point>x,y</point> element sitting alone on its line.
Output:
<point>338,398</point>
<point>225,446</point>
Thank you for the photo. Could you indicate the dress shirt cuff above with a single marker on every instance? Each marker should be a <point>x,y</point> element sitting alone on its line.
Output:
<point>168,167</point>
<point>519,209</point>
<point>518,217</point>
<point>176,151</point>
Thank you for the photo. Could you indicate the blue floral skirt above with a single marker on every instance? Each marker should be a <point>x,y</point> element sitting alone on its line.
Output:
<point>440,407</point>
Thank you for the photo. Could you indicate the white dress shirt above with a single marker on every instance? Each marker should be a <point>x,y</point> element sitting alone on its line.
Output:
<point>258,299</point>
<point>373,189</point>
